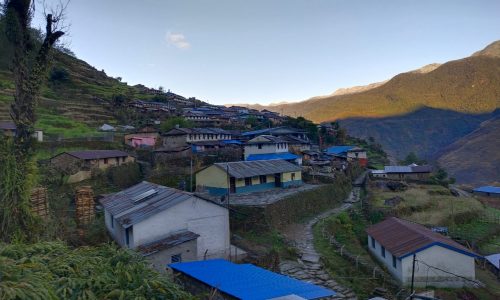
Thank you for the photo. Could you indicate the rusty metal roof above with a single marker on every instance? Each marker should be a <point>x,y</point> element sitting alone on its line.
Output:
<point>97,154</point>
<point>127,212</point>
<point>242,169</point>
<point>403,238</point>
<point>167,242</point>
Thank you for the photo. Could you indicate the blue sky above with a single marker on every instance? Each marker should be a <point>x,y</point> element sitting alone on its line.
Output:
<point>270,51</point>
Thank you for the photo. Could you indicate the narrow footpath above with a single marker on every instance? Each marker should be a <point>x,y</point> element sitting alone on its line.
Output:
<point>309,267</point>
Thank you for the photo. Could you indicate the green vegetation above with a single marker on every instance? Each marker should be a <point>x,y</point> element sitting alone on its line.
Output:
<point>51,270</point>
<point>350,232</point>
<point>56,125</point>
<point>171,123</point>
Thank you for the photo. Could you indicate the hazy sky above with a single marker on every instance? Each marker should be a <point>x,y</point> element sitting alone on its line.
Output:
<point>270,51</point>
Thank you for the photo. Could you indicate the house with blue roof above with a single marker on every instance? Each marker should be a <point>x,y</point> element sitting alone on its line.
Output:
<point>268,147</point>
<point>488,191</point>
<point>226,280</point>
<point>349,153</point>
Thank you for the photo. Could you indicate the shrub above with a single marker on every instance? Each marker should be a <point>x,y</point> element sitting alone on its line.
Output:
<point>125,175</point>
<point>51,270</point>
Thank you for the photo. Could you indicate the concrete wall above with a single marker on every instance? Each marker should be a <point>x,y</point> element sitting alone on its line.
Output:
<point>174,141</point>
<point>212,176</point>
<point>79,176</point>
<point>436,256</point>
<point>387,260</point>
<point>265,149</point>
<point>442,258</point>
<point>208,220</point>
<point>187,250</point>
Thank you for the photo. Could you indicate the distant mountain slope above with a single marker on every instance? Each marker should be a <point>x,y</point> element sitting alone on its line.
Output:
<point>469,85</point>
<point>475,158</point>
<point>424,131</point>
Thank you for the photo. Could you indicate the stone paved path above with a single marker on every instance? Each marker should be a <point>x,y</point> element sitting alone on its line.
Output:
<point>309,267</point>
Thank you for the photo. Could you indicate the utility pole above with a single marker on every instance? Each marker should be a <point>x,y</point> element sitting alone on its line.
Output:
<point>412,291</point>
<point>228,184</point>
<point>191,172</point>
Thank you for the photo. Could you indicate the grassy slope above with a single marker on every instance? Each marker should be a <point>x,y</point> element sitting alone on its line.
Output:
<point>70,107</point>
<point>475,158</point>
<point>469,85</point>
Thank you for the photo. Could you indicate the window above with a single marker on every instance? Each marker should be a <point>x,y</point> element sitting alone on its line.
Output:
<point>248,181</point>
<point>394,262</point>
<point>259,146</point>
<point>382,250</point>
<point>105,161</point>
<point>293,176</point>
<point>112,221</point>
<point>123,159</point>
<point>176,258</point>
<point>128,232</point>
<point>263,178</point>
<point>373,242</point>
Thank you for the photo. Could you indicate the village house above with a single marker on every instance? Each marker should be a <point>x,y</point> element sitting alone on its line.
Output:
<point>267,147</point>
<point>248,176</point>
<point>80,164</point>
<point>142,139</point>
<point>411,172</point>
<point>225,280</point>
<point>167,225</point>
<point>181,137</point>
<point>440,261</point>
<point>349,153</point>
<point>9,129</point>
<point>487,191</point>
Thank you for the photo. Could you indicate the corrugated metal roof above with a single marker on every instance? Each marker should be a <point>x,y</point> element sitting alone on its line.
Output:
<point>167,242</point>
<point>242,169</point>
<point>488,189</point>
<point>7,126</point>
<point>408,169</point>
<point>97,154</point>
<point>339,149</point>
<point>248,282</point>
<point>397,169</point>
<point>402,238</point>
<point>270,156</point>
<point>127,212</point>
<point>182,131</point>
<point>269,138</point>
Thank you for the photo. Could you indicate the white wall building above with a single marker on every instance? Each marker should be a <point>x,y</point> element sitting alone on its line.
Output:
<point>162,223</point>
<point>440,261</point>
<point>265,144</point>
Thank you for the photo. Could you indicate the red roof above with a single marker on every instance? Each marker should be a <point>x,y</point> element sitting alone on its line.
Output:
<point>403,238</point>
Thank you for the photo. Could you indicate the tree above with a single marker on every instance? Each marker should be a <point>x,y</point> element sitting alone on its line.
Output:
<point>17,174</point>
<point>171,123</point>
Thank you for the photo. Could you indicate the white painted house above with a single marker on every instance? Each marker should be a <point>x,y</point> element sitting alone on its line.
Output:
<point>167,225</point>
<point>268,147</point>
<point>440,261</point>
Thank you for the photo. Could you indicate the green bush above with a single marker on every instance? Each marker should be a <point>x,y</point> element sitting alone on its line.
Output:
<point>51,270</point>
<point>125,175</point>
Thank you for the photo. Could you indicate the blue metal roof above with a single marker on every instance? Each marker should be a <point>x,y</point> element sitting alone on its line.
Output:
<point>338,149</point>
<point>270,156</point>
<point>488,189</point>
<point>234,142</point>
<point>247,281</point>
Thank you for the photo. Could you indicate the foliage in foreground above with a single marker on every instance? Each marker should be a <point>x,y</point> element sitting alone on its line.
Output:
<point>51,270</point>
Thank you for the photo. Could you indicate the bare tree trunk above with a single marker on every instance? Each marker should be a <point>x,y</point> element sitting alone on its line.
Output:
<point>17,177</point>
